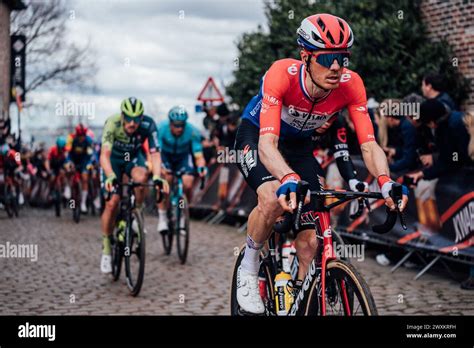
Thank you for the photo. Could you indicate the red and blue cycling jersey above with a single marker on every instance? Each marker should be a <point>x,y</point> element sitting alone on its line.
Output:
<point>283,105</point>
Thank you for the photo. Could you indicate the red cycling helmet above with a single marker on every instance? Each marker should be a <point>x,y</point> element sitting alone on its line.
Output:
<point>81,130</point>
<point>324,31</point>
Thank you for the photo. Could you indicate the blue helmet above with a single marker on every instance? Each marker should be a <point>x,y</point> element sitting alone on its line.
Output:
<point>178,114</point>
<point>61,142</point>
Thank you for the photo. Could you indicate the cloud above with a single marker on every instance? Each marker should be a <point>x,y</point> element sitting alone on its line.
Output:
<point>160,51</point>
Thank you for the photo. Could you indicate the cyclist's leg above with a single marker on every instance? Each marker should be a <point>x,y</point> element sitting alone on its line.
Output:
<point>83,168</point>
<point>309,170</point>
<point>108,217</point>
<point>138,171</point>
<point>167,167</point>
<point>261,219</point>
<point>188,179</point>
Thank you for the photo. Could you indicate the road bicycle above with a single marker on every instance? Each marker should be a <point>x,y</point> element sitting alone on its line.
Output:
<point>178,218</point>
<point>331,286</point>
<point>10,193</point>
<point>128,238</point>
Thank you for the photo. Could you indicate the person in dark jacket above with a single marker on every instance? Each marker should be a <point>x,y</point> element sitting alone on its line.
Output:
<point>432,87</point>
<point>402,157</point>
<point>451,139</point>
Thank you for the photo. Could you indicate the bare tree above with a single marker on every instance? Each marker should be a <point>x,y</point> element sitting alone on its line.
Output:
<point>50,59</point>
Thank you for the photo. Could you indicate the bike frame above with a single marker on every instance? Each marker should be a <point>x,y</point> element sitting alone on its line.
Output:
<point>325,250</point>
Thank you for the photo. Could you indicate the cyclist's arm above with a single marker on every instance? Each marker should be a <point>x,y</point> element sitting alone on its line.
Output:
<point>106,150</point>
<point>48,159</point>
<point>196,147</point>
<point>154,148</point>
<point>344,163</point>
<point>276,83</point>
<point>90,148</point>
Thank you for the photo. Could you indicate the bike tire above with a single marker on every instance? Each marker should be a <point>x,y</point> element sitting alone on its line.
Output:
<point>76,194</point>
<point>91,197</point>
<point>135,239</point>
<point>15,203</point>
<point>57,203</point>
<point>341,274</point>
<point>182,232</point>
<point>167,237</point>
<point>234,306</point>
<point>117,256</point>
<point>8,202</point>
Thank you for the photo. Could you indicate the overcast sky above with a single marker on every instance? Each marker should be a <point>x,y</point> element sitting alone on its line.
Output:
<point>161,51</point>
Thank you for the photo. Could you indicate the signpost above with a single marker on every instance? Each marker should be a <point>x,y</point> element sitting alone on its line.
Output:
<point>210,92</point>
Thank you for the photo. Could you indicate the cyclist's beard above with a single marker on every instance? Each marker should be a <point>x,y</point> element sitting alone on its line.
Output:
<point>308,70</point>
<point>130,129</point>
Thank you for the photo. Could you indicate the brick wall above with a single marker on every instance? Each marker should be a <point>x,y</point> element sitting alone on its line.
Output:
<point>454,21</point>
<point>4,57</point>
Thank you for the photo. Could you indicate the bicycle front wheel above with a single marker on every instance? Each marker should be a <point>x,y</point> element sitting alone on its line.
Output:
<point>8,201</point>
<point>76,208</point>
<point>347,293</point>
<point>182,229</point>
<point>134,253</point>
<point>57,202</point>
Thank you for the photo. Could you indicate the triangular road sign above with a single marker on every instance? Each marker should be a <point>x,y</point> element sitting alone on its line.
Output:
<point>210,92</point>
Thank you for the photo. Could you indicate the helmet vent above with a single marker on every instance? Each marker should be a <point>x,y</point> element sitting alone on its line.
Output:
<point>341,24</point>
<point>341,37</point>
<point>317,38</point>
<point>331,38</point>
<point>321,24</point>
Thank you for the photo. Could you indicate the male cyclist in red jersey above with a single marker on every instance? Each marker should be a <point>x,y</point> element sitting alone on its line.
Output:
<point>80,151</point>
<point>296,98</point>
<point>56,160</point>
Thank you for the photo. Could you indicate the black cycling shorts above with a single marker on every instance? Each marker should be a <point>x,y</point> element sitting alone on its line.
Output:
<point>298,153</point>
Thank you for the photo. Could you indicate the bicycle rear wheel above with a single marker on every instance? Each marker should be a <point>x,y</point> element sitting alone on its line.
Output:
<point>347,293</point>
<point>182,232</point>
<point>167,237</point>
<point>265,283</point>
<point>134,253</point>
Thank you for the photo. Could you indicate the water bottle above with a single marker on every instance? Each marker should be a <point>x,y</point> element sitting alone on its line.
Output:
<point>285,256</point>
<point>283,298</point>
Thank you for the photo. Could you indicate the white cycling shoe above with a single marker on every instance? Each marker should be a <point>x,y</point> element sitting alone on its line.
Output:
<point>83,208</point>
<point>67,192</point>
<point>162,225</point>
<point>106,263</point>
<point>248,294</point>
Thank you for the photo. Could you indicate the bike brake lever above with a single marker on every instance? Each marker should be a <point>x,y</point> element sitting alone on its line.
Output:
<point>367,204</point>
<point>402,220</point>
<point>359,211</point>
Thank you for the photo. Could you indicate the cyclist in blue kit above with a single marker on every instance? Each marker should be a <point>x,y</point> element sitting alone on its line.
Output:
<point>181,150</point>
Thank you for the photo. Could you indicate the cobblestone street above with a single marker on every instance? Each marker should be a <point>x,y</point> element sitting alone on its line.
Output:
<point>66,278</point>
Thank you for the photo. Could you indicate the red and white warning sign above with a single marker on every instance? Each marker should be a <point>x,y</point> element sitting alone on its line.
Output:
<point>210,92</point>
